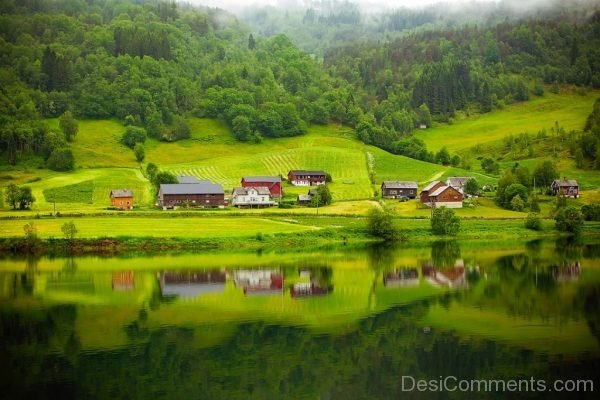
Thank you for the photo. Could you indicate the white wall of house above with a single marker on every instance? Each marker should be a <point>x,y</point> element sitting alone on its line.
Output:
<point>306,183</point>
<point>449,204</point>
<point>252,198</point>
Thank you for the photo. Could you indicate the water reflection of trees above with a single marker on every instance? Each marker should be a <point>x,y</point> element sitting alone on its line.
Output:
<point>444,253</point>
<point>260,360</point>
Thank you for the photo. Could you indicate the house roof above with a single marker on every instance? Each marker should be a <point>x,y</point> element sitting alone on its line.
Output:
<point>457,180</point>
<point>121,193</point>
<point>441,190</point>
<point>306,172</point>
<point>312,192</point>
<point>431,185</point>
<point>270,179</point>
<point>566,182</point>
<point>400,184</point>
<point>191,179</point>
<point>191,188</point>
<point>261,190</point>
<point>304,197</point>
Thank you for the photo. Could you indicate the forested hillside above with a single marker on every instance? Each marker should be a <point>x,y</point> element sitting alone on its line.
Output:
<point>471,69</point>
<point>151,63</point>
<point>147,63</point>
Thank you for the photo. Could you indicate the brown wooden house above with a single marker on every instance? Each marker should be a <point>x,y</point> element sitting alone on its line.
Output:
<point>565,187</point>
<point>202,195</point>
<point>121,199</point>
<point>445,196</point>
<point>398,189</point>
<point>433,186</point>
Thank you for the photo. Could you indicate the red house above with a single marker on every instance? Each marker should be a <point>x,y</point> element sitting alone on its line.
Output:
<point>271,182</point>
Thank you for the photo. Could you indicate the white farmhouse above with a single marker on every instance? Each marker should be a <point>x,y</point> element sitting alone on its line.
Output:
<point>251,197</point>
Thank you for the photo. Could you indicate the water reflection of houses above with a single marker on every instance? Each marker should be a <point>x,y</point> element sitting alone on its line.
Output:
<point>123,281</point>
<point>567,273</point>
<point>259,281</point>
<point>453,277</point>
<point>189,284</point>
<point>404,277</point>
<point>319,282</point>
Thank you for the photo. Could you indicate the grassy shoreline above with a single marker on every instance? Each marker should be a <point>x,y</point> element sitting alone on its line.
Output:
<point>248,233</point>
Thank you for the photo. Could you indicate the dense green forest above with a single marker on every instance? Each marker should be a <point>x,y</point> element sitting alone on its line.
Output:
<point>150,63</point>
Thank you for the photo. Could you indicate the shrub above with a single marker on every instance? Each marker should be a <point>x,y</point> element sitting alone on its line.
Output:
<point>472,187</point>
<point>151,170</point>
<point>133,135</point>
<point>444,222</point>
<point>322,198</point>
<point>69,230</point>
<point>534,204</point>
<point>569,219</point>
<point>164,177</point>
<point>380,224</point>
<point>517,204</point>
<point>533,222</point>
<point>286,204</point>
<point>139,152</point>
<point>61,160</point>
<point>591,212</point>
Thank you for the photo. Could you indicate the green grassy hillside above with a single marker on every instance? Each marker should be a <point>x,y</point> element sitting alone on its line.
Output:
<point>568,108</point>
<point>103,163</point>
<point>212,153</point>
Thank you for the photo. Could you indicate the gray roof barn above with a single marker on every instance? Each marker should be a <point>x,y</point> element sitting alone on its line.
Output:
<point>191,188</point>
<point>191,179</point>
<point>565,182</point>
<point>261,190</point>
<point>400,185</point>
<point>305,172</point>
<point>271,179</point>
<point>457,181</point>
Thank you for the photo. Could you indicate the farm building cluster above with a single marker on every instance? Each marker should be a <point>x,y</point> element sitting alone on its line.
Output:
<point>267,191</point>
<point>254,192</point>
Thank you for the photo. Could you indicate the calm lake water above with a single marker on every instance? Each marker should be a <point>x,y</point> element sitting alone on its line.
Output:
<point>335,324</point>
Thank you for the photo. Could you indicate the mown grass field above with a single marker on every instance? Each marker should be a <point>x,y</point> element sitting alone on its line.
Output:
<point>85,190</point>
<point>568,108</point>
<point>93,227</point>
<point>221,227</point>
<point>98,144</point>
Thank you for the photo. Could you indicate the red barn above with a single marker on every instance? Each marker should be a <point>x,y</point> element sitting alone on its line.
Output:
<point>271,182</point>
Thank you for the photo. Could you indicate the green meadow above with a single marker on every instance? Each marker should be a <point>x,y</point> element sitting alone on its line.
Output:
<point>570,109</point>
<point>95,227</point>
<point>103,163</point>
